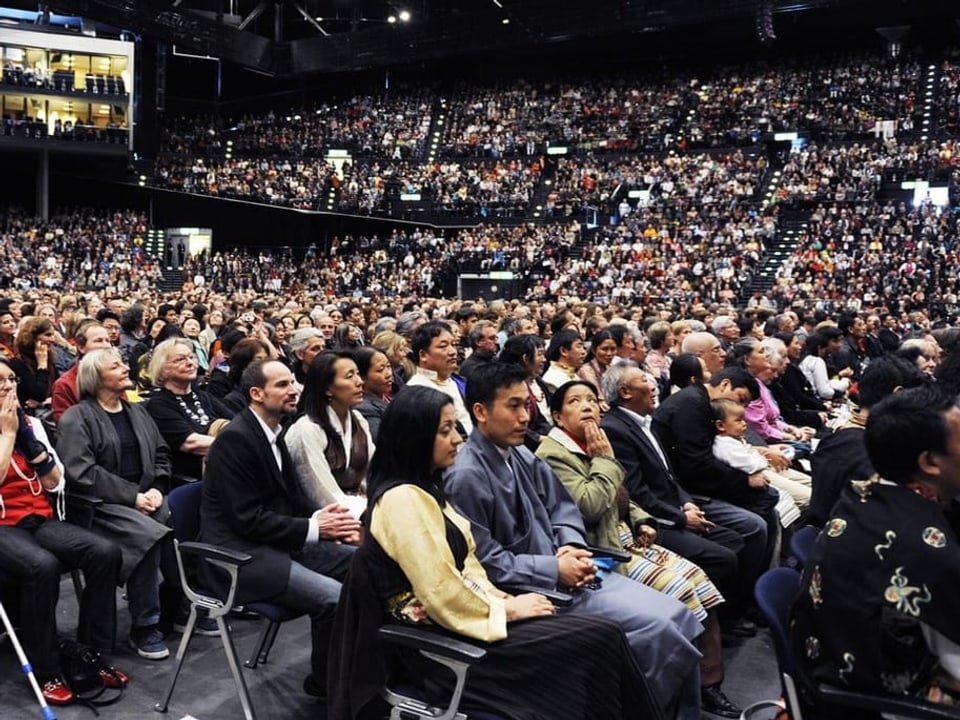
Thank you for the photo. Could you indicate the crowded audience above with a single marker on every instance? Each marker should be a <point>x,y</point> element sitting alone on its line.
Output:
<point>667,417</point>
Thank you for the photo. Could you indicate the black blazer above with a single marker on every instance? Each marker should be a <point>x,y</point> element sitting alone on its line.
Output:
<point>651,483</point>
<point>798,401</point>
<point>684,424</point>
<point>250,506</point>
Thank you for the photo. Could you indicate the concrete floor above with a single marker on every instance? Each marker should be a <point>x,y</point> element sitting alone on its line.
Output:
<point>206,690</point>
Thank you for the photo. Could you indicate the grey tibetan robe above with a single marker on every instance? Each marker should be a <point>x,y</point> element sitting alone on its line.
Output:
<point>520,517</point>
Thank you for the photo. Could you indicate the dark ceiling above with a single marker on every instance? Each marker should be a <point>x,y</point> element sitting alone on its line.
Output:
<point>299,37</point>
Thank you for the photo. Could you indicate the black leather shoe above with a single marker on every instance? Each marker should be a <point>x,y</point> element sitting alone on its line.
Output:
<point>756,616</point>
<point>714,701</point>
<point>314,689</point>
<point>742,628</point>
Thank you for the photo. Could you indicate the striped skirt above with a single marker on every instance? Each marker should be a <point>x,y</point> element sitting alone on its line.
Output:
<point>671,574</point>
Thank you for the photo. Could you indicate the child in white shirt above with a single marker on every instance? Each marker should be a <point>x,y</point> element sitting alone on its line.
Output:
<point>730,447</point>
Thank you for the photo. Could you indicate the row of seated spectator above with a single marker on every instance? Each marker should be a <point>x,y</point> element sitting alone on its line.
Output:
<point>687,253</point>
<point>79,132</point>
<point>286,182</point>
<point>393,126</point>
<point>838,98</point>
<point>607,182</point>
<point>470,188</point>
<point>62,80</point>
<point>406,262</point>
<point>841,97</point>
<point>677,254</point>
<point>76,249</point>
<point>843,173</point>
<point>881,252</point>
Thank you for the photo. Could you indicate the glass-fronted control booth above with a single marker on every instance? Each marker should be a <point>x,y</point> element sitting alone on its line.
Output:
<point>66,88</point>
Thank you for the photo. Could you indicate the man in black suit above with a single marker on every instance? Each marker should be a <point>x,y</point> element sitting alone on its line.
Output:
<point>684,426</point>
<point>682,525</point>
<point>252,503</point>
<point>887,334</point>
<point>484,344</point>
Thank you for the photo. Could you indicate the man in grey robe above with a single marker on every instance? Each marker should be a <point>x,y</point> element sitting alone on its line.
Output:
<point>529,531</point>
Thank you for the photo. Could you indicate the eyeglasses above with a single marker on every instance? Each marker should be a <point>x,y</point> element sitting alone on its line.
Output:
<point>183,359</point>
<point>11,379</point>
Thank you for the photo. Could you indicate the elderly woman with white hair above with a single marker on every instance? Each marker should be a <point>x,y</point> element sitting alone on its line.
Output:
<point>188,418</point>
<point>305,344</point>
<point>112,450</point>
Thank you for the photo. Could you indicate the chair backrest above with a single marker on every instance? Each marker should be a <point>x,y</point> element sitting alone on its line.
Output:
<point>775,591</point>
<point>802,542</point>
<point>184,503</point>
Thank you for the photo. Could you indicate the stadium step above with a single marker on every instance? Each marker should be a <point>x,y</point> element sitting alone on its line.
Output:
<point>791,234</point>
<point>172,280</point>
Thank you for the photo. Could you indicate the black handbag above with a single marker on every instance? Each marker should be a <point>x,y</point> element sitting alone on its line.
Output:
<point>82,670</point>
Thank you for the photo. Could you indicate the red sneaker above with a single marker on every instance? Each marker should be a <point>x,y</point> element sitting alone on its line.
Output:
<point>56,692</point>
<point>113,678</point>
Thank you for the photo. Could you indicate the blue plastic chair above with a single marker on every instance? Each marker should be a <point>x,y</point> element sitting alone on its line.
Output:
<point>802,542</point>
<point>776,591</point>
<point>184,504</point>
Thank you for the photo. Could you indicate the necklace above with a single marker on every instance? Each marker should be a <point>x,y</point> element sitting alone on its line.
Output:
<point>198,416</point>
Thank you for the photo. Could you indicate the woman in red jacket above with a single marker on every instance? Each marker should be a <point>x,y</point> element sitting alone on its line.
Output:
<point>35,544</point>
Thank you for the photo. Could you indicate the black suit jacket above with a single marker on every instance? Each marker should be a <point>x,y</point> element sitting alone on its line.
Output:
<point>889,340</point>
<point>684,425</point>
<point>798,401</point>
<point>651,483</point>
<point>251,506</point>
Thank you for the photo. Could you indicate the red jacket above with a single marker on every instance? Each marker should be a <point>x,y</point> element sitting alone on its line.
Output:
<point>21,493</point>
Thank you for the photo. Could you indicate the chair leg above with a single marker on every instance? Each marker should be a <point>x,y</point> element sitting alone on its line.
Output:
<point>270,639</point>
<point>231,653</point>
<point>181,654</point>
<point>77,578</point>
<point>264,642</point>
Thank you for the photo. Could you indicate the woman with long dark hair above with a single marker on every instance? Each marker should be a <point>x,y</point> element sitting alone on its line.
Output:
<point>8,334</point>
<point>603,349</point>
<point>34,362</point>
<point>330,443</point>
<point>813,364</point>
<point>417,565</point>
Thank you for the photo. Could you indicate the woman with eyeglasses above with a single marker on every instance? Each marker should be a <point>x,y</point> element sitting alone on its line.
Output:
<point>188,418</point>
<point>113,451</point>
<point>8,334</point>
<point>35,543</point>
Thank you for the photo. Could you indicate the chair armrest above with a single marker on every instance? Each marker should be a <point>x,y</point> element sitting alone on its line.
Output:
<point>212,552</point>
<point>431,641</point>
<point>557,597</point>
<point>612,553</point>
<point>887,704</point>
